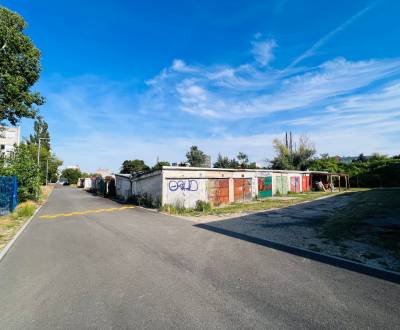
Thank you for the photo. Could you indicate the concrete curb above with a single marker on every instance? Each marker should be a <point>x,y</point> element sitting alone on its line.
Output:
<point>321,257</point>
<point>19,232</point>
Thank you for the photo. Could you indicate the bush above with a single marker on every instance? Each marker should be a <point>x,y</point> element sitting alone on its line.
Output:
<point>202,206</point>
<point>25,210</point>
<point>21,164</point>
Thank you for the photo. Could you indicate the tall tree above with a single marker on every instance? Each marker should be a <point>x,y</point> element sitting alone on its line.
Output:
<point>243,159</point>
<point>134,166</point>
<point>196,157</point>
<point>41,131</point>
<point>19,69</point>
<point>288,157</point>
<point>49,163</point>
<point>71,174</point>
<point>222,162</point>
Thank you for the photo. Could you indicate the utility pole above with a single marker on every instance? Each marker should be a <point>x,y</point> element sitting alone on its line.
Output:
<point>47,170</point>
<point>38,151</point>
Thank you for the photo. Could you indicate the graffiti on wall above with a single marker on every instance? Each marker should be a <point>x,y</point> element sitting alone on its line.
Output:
<point>184,185</point>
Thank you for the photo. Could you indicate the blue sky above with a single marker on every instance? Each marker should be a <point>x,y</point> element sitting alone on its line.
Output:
<point>148,79</point>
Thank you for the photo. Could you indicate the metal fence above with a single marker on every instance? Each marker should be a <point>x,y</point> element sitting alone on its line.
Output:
<point>8,194</point>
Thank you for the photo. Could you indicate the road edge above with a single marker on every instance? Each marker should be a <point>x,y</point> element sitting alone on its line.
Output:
<point>9,245</point>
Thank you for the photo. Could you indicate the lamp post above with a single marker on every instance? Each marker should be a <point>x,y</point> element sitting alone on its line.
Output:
<point>38,152</point>
<point>47,160</point>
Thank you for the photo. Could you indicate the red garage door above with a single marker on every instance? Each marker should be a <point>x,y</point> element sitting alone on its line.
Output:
<point>218,191</point>
<point>242,189</point>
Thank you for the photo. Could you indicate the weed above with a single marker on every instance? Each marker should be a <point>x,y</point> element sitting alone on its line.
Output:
<point>24,210</point>
<point>202,206</point>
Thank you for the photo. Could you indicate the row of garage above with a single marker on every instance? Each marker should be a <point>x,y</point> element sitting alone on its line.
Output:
<point>186,185</point>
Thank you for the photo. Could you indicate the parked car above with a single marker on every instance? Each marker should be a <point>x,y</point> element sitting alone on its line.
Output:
<point>63,182</point>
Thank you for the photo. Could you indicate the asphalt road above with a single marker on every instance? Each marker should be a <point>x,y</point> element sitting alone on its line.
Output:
<point>134,268</point>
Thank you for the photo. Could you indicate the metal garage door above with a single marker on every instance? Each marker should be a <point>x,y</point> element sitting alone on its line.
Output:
<point>306,183</point>
<point>265,187</point>
<point>295,184</point>
<point>282,184</point>
<point>242,189</point>
<point>218,191</point>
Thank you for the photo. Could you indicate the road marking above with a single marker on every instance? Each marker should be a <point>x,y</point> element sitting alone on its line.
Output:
<point>112,209</point>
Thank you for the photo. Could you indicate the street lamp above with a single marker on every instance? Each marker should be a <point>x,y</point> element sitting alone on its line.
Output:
<point>38,157</point>
<point>38,152</point>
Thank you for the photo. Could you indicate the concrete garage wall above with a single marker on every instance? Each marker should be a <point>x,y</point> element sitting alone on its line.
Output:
<point>150,184</point>
<point>185,192</point>
<point>123,186</point>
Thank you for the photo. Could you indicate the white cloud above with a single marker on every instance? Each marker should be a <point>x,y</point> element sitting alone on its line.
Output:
<point>263,50</point>
<point>247,91</point>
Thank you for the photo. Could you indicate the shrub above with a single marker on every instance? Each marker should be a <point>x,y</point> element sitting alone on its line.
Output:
<point>24,210</point>
<point>202,206</point>
<point>21,164</point>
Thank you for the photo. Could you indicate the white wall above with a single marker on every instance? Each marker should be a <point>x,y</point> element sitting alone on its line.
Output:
<point>185,192</point>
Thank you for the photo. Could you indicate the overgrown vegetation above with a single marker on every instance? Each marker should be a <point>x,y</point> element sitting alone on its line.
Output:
<point>374,171</point>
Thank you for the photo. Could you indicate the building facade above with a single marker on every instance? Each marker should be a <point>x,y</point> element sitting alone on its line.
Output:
<point>9,138</point>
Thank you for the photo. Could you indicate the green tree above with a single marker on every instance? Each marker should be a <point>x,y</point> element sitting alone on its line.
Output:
<point>196,157</point>
<point>222,162</point>
<point>41,130</point>
<point>19,69</point>
<point>49,163</point>
<point>243,159</point>
<point>299,158</point>
<point>21,164</point>
<point>71,174</point>
<point>233,163</point>
<point>325,163</point>
<point>160,164</point>
<point>134,166</point>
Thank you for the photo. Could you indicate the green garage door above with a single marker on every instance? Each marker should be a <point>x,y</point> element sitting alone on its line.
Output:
<point>282,184</point>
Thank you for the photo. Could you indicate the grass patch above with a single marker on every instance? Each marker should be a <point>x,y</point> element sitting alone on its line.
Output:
<point>205,208</point>
<point>11,223</point>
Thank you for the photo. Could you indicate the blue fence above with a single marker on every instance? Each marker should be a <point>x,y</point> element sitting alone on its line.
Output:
<point>8,194</point>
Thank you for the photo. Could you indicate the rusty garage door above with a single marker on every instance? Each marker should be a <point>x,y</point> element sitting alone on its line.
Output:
<point>218,191</point>
<point>242,189</point>
<point>295,184</point>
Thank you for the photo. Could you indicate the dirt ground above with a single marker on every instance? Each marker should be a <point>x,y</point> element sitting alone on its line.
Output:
<point>302,225</point>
